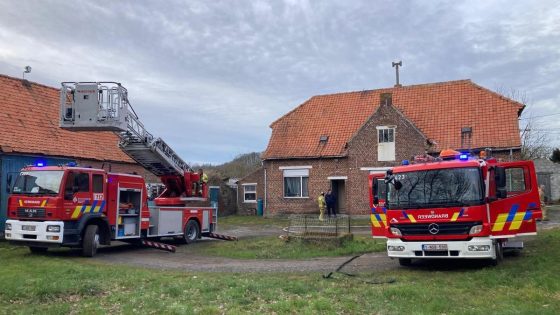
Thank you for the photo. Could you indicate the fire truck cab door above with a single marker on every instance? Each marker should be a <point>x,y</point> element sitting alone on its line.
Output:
<point>516,211</point>
<point>377,193</point>
<point>77,193</point>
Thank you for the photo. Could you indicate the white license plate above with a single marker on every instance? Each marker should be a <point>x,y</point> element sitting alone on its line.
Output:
<point>28,227</point>
<point>434,247</point>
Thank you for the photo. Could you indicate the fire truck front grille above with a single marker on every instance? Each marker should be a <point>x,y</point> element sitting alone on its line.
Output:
<point>31,212</point>
<point>447,228</point>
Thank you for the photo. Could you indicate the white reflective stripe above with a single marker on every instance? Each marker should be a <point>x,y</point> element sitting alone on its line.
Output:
<point>145,219</point>
<point>297,172</point>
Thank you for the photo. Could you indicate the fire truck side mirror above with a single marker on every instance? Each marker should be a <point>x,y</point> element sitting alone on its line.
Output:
<point>500,178</point>
<point>398,185</point>
<point>375,201</point>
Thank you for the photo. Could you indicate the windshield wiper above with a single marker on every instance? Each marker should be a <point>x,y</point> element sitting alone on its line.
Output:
<point>46,191</point>
<point>451,203</point>
<point>407,205</point>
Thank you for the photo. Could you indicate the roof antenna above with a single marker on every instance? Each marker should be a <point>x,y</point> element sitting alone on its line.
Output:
<point>396,65</point>
<point>27,69</point>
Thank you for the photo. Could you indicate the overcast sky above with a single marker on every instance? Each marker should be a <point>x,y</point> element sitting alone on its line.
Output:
<point>210,76</point>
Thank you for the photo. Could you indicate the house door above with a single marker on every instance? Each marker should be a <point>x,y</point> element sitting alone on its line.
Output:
<point>338,186</point>
<point>544,179</point>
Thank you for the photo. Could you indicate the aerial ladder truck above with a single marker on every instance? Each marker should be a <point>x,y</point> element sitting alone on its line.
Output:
<point>72,206</point>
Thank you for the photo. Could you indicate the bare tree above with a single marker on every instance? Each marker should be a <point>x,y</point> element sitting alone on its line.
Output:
<point>535,141</point>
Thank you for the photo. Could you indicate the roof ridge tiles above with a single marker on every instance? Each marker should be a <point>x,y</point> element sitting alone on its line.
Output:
<point>30,82</point>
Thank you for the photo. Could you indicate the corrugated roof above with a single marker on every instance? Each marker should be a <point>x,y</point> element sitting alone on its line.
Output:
<point>439,110</point>
<point>29,124</point>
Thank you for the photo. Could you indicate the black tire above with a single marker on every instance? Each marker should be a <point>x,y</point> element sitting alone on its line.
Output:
<point>405,262</point>
<point>91,241</point>
<point>37,250</point>
<point>499,252</point>
<point>192,232</point>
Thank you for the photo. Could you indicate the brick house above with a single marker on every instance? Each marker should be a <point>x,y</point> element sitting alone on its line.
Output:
<point>29,133</point>
<point>335,140</point>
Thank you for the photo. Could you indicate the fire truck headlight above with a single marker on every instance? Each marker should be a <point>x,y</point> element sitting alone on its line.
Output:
<point>479,248</point>
<point>396,231</point>
<point>53,228</point>
<point>476,229</point>
<point>392,248</point>
<point>8,226</point>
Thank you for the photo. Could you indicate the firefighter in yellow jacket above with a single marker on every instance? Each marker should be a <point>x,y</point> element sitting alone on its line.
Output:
<point>322,205</point>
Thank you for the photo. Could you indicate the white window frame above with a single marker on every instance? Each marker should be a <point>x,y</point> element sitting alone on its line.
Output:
<point>245,192</point>
<point>295,172</point>
<point>389,146</point>
<point>382,129</point>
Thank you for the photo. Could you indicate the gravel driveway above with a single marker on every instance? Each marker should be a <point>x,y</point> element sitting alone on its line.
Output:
<point>186,259</point>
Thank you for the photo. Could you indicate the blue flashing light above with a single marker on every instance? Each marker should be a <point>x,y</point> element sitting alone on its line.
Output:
<point>72,164</point>
<point>405,162</point>
<point>40,163</point>
<point>463,157</point>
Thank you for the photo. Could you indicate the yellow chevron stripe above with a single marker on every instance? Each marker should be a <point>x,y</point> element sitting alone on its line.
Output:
<point>517,220</point>
<point>44,203</point>
<point>411,218</point>
<point>455,216</point>
<point>383,219</point>
<point>500,222</point>
<point>374,221</point>
<point>76,212</point>
<point>88,209</point>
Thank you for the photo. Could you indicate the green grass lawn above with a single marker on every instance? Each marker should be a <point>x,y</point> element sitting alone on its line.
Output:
<point>526,284</point>
<point>273,247</point>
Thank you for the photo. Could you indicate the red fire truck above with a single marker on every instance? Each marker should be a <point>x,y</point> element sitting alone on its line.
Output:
<point>73,206</point>
<point>454,206</point>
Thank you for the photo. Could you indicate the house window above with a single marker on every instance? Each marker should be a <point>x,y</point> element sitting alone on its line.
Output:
<point>250,193</point>
<point>386,135</point>
<point>386,143</point>
<point>295,183</point>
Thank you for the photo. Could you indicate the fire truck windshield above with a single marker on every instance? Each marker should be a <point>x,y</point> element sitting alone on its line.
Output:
<point>38,182</point>
<point>436,188</point>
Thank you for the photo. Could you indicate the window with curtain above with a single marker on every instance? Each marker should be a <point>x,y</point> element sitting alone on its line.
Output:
<point>295,183</point>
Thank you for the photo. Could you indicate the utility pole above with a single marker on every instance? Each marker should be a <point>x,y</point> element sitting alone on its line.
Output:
<point>396,65</point>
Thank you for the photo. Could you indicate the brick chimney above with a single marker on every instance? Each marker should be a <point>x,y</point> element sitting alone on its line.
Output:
<point>386,99</point>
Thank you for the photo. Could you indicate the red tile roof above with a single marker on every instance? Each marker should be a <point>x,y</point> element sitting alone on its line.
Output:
<point>29,124</point>
<point>439,110</point>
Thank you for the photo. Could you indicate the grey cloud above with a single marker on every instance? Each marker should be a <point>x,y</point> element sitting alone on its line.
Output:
<point>219,72</point>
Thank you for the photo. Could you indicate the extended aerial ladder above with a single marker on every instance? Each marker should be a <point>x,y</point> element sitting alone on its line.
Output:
<point>104,106</point>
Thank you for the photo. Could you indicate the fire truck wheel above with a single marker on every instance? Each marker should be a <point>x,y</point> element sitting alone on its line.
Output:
<point>192,232</point>
<point>405,262</point>
<point>37,250</point>
<point>91,241</point>
<point>499,251</point>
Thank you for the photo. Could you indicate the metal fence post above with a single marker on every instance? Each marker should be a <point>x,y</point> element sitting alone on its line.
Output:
<point>336,226</point>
